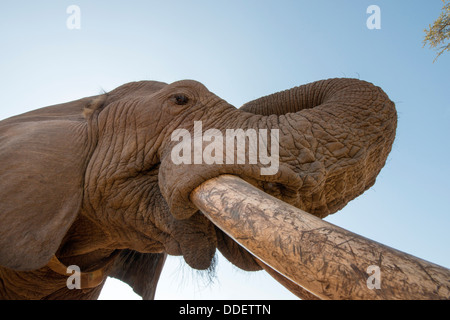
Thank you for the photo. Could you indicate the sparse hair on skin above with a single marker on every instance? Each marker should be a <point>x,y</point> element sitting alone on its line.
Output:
<point>95,105</point>
<point>200,278</point>
<point>210,274</point>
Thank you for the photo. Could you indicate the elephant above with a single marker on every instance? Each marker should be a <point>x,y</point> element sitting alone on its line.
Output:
<point>92,183</point>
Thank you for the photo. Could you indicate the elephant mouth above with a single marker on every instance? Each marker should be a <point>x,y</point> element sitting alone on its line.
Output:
<point>199,237</point>
<point>206,236</point>
<point>177,186</point>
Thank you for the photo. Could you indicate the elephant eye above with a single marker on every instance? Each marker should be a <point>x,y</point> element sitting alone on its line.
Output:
<point>180,99</point>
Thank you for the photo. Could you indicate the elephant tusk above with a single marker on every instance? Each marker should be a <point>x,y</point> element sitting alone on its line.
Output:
<point>325,260</point>
<point>288,284</point>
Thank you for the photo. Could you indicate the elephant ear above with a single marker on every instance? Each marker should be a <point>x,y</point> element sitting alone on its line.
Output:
<point>139,270</point>
<point>43,157</point>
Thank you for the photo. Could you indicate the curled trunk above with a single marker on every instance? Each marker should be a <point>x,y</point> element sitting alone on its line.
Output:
<point>335,136</point>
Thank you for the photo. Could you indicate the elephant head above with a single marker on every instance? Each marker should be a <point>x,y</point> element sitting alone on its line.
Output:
<point>86,179</point>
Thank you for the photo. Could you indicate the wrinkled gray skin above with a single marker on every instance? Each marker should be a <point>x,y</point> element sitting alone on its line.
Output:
<point>83,179</point>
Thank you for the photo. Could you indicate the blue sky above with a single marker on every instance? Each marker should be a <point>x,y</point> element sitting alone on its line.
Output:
<point>242,50</point>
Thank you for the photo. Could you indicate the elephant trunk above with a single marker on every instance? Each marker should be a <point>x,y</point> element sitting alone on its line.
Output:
<point>335,136</point>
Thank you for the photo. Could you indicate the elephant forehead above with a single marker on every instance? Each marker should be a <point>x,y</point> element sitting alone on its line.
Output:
<point>134,89</point>
<point>188,84</point>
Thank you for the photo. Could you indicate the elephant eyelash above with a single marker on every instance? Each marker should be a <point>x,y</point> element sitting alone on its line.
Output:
<point>180,99</point>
